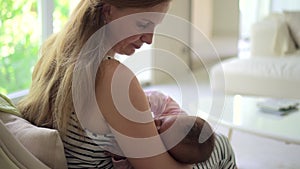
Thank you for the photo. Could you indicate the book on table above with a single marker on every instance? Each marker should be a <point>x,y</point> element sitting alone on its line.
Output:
<point>278,106</point>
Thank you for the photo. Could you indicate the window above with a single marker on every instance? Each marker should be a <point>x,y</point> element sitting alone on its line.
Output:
<point>281,5</point>
<point>252,11</point>
<point>19,41</point>
<point>24,24</point>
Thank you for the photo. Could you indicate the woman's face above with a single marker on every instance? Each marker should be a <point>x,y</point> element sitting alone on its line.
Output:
<point>142,23</point>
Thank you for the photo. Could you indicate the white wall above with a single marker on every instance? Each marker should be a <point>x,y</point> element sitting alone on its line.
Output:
<point>202,16</point>
<point>170,52</point>
<point>216,17</point>
<point>218,20</point>
<point>225,18</point>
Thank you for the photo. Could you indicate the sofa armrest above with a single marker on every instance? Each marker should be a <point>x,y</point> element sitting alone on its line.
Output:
<point>43,143</point>
<point>14,154</point>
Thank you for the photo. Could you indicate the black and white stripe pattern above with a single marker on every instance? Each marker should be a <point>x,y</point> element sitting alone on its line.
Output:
<point>222,156</point>
<point>84,152</point>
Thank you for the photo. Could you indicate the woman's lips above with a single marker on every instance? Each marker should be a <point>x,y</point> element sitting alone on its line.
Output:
<point>136,46</point>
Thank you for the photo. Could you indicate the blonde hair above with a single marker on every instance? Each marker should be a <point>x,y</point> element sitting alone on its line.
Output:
<point>49,102</point>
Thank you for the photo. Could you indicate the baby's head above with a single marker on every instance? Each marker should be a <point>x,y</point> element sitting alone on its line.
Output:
<point>193,148</point>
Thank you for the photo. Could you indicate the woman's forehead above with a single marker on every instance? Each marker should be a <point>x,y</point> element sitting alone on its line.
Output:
<point>152,13</point>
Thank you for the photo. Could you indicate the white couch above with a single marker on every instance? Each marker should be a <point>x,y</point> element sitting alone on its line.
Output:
<point>273,68</point>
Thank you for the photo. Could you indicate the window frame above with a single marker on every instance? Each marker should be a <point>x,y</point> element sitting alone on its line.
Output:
<point>45,13</point>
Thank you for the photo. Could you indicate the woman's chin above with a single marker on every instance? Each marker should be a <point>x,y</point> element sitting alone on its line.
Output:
<point>126,51</point>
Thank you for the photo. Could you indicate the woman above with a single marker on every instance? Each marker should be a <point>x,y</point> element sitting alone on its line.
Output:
<point>51,101</point>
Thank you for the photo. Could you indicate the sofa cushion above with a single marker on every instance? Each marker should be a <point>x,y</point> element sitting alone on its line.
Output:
<point>293,21</point>
<point>43,143</point>
<point>270,37</point>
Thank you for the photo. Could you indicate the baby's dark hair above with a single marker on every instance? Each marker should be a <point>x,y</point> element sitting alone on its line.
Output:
<point>197,145</point>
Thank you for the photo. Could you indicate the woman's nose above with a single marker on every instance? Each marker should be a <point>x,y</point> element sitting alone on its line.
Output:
<point>147,38</point>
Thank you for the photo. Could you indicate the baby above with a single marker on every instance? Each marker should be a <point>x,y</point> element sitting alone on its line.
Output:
<point>190,149</point>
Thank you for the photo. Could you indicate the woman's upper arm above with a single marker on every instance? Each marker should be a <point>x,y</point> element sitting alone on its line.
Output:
<point>124,106</point>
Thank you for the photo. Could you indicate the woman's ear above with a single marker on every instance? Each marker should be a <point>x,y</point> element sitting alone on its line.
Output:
<point>106,12</point>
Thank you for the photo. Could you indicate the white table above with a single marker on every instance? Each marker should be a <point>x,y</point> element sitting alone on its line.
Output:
<point>241,113</point>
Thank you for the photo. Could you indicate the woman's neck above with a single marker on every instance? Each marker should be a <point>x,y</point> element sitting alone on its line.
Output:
<point>110,53</point>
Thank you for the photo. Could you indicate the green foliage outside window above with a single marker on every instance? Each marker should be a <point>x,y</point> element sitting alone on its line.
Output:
<point>61,13</point>
<point>20,38</point>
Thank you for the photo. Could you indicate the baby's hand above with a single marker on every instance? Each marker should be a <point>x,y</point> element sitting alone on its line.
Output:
<point>158,123</point>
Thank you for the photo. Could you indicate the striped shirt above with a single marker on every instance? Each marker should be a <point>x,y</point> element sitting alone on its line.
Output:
<point>222,156</point>
<point>83,150</point>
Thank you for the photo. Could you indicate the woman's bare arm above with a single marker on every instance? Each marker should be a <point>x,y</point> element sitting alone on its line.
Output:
<point>115,80</point>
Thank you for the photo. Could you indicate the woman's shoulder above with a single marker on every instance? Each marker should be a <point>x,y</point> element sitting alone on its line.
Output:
<point>116,83</point>
<point>110,67</point>
<point>114,75</point>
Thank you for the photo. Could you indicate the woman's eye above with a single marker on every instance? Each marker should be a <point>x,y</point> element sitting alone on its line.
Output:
<point>142,25</point>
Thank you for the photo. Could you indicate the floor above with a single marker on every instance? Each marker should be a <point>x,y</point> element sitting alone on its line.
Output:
<point>252,152</point>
